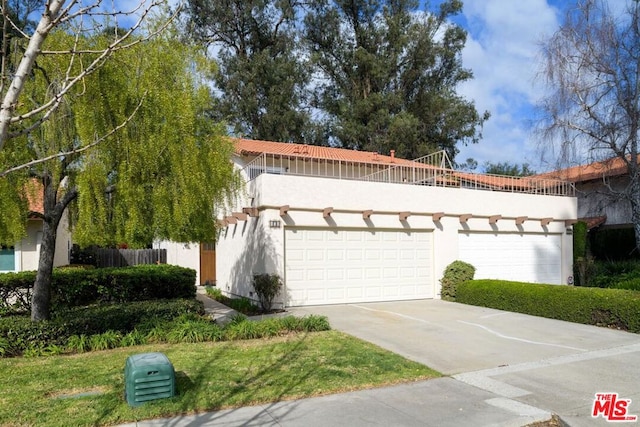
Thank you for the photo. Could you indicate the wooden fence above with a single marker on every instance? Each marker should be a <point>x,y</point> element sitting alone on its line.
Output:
<point>125,257</point>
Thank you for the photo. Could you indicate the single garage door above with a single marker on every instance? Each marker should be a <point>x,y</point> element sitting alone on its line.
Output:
<point>520,257</point>
<point>337,266</point>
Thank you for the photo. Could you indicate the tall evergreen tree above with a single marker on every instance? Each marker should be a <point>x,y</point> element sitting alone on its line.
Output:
<point>390,73</point>
<point>262,77</point>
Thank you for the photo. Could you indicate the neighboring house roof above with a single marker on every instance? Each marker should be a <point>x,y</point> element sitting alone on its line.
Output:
<point>445,176</point>
<point>35,196</point>
<point>609,168</point>
<point>594,221</point>
<point>255,147</point>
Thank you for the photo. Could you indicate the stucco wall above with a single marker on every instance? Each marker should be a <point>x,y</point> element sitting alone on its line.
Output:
<point>182,254</point>
<point>27,251</point>
<point>595,199</point>
<point>253,246</point>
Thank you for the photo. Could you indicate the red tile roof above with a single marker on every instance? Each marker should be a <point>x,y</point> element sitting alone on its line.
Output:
<point>596,170</point>
<point>255,147</point>
<point>35,195</point>
<point>594,221</point>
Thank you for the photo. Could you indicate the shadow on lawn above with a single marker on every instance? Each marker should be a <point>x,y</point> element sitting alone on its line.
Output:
<point>261,375</point>
<point>191,387</point>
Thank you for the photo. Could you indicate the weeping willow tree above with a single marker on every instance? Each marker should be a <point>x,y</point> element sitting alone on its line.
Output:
<point>132,155</point>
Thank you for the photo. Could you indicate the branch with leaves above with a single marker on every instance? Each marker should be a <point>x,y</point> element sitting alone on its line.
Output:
<point>71,14</point>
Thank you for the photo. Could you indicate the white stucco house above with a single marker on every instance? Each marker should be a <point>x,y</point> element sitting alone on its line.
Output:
<point>599,188</point>
<point>24,255</point>
<point>342,226</point>
<point>596,186</point>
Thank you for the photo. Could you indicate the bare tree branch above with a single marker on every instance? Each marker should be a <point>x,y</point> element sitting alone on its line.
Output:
<point>592,65</point>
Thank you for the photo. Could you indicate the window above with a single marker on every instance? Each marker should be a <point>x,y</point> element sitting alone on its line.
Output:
<point>7,258</point>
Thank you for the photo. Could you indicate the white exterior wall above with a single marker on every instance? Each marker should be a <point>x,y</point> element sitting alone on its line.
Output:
<point>183,254</point>
<point>251,246</point>
<point>28,250</point>
<point>594,199</point>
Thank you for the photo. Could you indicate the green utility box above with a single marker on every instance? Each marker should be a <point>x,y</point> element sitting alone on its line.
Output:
<point>148,376</point>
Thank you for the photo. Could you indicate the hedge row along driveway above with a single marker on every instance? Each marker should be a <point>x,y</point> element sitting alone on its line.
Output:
<point>614,308</point>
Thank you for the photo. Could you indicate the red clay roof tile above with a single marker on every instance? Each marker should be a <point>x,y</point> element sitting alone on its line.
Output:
<point>35,195</point>
<point>596,170</point>
<point>256,147</point>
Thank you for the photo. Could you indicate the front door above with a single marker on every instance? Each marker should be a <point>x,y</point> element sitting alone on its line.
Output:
<point>208,263</point>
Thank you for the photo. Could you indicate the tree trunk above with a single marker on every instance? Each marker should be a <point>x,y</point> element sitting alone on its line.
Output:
<point>53,211</point>
<point>635,210</point>
<point>634,200</point>
<point>41,298</point>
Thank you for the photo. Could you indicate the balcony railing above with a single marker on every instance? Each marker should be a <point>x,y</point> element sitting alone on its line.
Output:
<point>432,170</point>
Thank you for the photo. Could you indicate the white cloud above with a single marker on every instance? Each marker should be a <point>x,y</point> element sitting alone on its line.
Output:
<point>501,50</point>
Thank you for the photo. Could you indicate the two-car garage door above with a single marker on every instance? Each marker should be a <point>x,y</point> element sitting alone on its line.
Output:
<point>519,257</point>
<point>335,266</point>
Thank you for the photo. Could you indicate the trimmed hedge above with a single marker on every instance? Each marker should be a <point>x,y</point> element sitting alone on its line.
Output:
<point>615,308</point>
<point>20,333</point>
<point>71,287</point>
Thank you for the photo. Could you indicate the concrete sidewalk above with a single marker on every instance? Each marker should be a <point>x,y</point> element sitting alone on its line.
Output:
<point>506,369</point>
<point>442,402</point>
<point>214,309</point>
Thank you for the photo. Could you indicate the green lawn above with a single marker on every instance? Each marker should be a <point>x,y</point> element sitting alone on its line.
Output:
<point>87,389</point>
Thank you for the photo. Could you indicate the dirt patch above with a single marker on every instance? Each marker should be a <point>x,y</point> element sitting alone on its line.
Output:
<point>77,392</point>
<point>555,421</point>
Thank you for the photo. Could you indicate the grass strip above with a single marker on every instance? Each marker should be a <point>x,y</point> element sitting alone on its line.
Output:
<point>87,389</point>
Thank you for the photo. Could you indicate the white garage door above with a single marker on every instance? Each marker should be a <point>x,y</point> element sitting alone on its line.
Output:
<point>336,266</point>
<point>519,257</point>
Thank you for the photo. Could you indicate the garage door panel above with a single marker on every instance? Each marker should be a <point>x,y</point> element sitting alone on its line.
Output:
<point>518,257</point>
<point>372,273</point>
<point>335,274</point>
<point>345,266</point>
<point>373,292</point>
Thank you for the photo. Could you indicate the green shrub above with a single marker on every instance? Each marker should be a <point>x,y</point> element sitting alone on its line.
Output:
<point>15,292</point>
<point>614,308</point>
<point>270,328</point>
<point>105,340</point>
<point>214,293</point>
<point>133,338</point>
<point>190,328</point>
<point>5,348</point>
<point>614,244</point>
<point>615,274</point>
<point>21,333</point>
<point>39,349</point>
<point>79,343</point>
<point>243,305</point>
<point>579,240</point>
<point>72,287</point>
<point>242,330</point>
<point>455,273</point>
<point>267,287</point>
<point>291,323</point>
<point>314,323</point>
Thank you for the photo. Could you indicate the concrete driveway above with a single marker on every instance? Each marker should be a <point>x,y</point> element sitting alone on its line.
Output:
<point>520,361</point>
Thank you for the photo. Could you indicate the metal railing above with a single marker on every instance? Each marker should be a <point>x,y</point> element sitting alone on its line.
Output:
<point>432,170</point>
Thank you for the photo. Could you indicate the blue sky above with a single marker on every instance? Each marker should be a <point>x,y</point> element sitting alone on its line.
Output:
<point>502,50</point>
